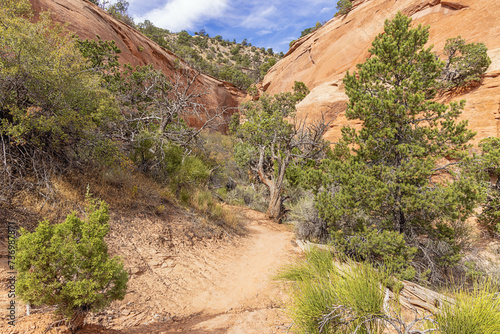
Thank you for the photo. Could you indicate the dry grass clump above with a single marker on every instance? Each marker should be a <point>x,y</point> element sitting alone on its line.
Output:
<point>205,203</point>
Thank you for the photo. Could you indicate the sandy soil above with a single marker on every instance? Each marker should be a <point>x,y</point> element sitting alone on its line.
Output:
<point>186,278</point>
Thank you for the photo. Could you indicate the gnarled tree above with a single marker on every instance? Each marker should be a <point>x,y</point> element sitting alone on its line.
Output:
<point>271,138</point>
<point>466,63</point>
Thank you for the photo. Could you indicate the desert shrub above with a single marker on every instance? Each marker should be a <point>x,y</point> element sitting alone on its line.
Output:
<point>70,261</point>
<point>300,90</point>
<point>234,123</point>
<point>490,216</point>
<point>222,193</point>
<point>266,66</point>
<point>191,173</point>
<point>305,216</point>
<point>184,197</point>
<point>54,112</point>
<point>152,156</point>
<point>384,249</point>
<point>184,38</point>
<point>343,7</point>
<point>329,298</point>
<point>203,201</point>
<point>307,31</point>
<point>474,312</point>
<point>154,33</point>
<point>466,62</point>
<point>253,196</point>
<point>234,75</point>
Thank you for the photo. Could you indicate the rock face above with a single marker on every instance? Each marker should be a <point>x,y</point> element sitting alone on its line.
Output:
<point>321,58</point>
<point>88,20</point>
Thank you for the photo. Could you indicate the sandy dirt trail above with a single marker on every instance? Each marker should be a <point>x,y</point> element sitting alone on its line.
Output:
<point>244,280</point>
<point>198,287</point>
<point>244,297</point>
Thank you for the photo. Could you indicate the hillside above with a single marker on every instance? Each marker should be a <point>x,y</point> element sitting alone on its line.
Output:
<point>88,20</point>
<point>322,58</point>
<point>242,64</point>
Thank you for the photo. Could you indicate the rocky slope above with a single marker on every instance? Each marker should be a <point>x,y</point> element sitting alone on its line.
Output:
<point>185,277</point>
<point>88,20</point>
<point>321,58</point>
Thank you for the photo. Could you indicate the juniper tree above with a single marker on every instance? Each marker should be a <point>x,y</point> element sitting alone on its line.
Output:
<point>466,63</point>
<point>270,142</point>
<point>386,174</point>
<point>68,265</point>
<point>343,7</point>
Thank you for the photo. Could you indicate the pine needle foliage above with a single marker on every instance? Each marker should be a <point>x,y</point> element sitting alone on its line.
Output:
<point>387,174</point>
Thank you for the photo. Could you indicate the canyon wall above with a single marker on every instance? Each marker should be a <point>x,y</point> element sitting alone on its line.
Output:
<point>321,58</point>
<point>88,20</point>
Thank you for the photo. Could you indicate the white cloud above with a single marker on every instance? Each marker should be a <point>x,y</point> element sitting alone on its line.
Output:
<point>177,15</point>
<point>328,10</point>
<point>263,32</point>
<point>260,18</point>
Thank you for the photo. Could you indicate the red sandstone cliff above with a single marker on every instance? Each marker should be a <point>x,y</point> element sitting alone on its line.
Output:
<point>321,58</point>
<point>88,20</point>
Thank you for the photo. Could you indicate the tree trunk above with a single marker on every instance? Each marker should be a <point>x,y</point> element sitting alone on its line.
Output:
<point>274,210</point>
<point>76,321</point>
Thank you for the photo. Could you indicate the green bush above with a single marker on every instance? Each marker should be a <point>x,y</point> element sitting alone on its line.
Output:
<point>490,216</point>
<point>466,62</point>
<point>384,249</point>
<point>343,7</point>
<point>68,265</point>
<point>184,197</point>
<point>184,38</point>
<point>50,102</point>
<point>193,171</point>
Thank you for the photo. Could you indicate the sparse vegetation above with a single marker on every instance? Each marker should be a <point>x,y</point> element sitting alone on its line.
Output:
<point>238,63</point>
<point>310,30</point>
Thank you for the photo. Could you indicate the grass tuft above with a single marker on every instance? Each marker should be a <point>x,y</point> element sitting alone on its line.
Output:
<point>474,312</point>
<point>330,298</point>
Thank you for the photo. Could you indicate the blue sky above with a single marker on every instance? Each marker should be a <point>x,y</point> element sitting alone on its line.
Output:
<point>267,23</point>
